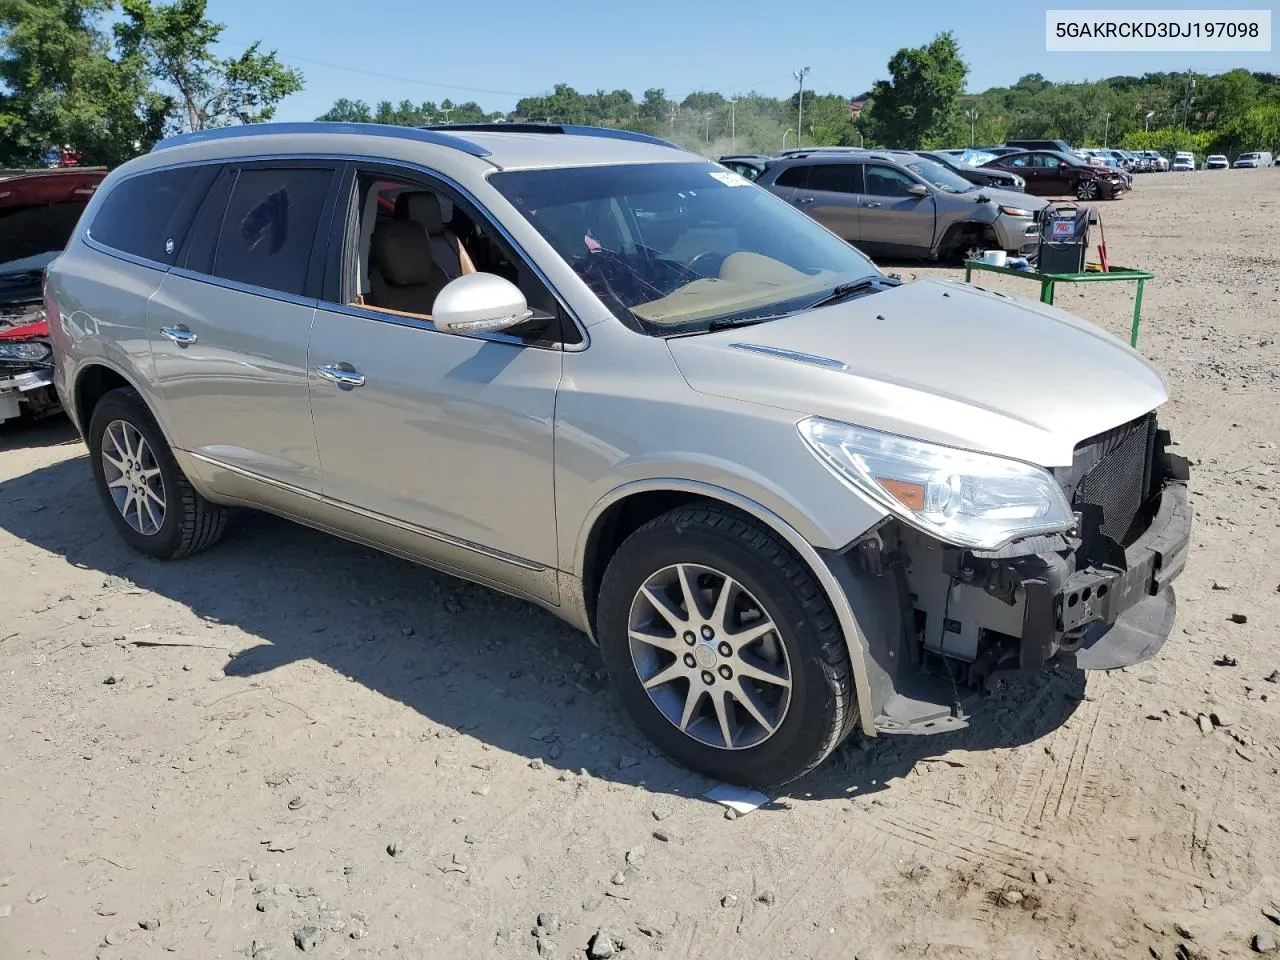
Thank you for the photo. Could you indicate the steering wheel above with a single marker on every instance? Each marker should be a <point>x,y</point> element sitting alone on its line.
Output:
<point>698,263</point>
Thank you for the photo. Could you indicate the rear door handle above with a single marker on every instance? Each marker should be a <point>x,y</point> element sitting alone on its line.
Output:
<point>872,203</point>
<point>341,376</point>
<point>801,201</point>
<point>179,335</point>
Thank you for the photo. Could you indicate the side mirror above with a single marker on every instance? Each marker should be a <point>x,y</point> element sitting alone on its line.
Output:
<point>918,190</point>
<point>479,303</point>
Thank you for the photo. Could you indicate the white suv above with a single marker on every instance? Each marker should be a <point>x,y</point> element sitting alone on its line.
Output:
<point>788,495</point>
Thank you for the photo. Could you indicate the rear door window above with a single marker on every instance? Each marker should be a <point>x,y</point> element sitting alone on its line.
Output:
<point>269,230</point>
<point>834,177</point>
<point>145,215</point>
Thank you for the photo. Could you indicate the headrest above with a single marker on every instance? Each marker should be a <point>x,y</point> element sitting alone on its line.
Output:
<point>421,206</point>
<point>402,253</point>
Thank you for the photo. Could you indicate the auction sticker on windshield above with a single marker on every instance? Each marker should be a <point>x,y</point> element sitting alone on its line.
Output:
<point>729,178</point>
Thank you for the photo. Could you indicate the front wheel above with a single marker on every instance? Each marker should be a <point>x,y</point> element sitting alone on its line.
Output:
<point>1087,190</point>
<point>150,501</point>
<point>723,648</point>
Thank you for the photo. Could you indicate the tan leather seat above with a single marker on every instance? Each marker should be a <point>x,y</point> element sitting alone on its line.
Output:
<point>423,208</point>
<point>403,273</point>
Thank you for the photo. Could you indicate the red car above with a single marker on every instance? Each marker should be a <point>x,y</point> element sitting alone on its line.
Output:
<point>38,211</point>
<point>1049,173</point>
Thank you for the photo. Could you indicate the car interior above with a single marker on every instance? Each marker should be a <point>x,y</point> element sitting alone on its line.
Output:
<point>411,241</point>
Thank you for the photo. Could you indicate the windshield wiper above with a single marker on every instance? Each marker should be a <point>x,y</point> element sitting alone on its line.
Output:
<point>728,323</point>
<point>844,290</point>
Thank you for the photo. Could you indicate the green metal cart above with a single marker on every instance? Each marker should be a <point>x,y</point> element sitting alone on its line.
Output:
<point>1049,280</point>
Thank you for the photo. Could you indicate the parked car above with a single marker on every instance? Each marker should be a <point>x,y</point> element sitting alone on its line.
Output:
<point>982,176</point>
<point>998,151</point>
<point>1253,160</point>
<point>787,495</point>
<point>745,165</point>
<point>898,204</point>
<point>1159,162</point>
<point>1182,160</point>
<point>1216,161</point>
<point>38,211</point>
<point>1052,174</point>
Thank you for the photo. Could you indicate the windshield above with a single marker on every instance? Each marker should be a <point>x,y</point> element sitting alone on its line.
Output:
<point>673,247</point>
<point>1248,156</point>
<point>944,179</point>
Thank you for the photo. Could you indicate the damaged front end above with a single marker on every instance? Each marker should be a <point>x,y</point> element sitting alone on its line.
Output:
<point>26,370</point>
<point>942,622</point>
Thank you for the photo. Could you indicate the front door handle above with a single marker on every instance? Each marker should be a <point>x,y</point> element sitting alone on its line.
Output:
<point>343,377</point>
<point>801,201</point>
<point>179,335</point>
<point>872,203</point>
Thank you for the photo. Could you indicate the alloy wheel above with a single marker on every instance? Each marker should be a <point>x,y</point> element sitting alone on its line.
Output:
<point>133,477</point>
<point>709,656</point>
<point>1087,190</point>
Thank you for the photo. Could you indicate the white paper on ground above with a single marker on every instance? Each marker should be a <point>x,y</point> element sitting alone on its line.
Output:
<point>738,799</point>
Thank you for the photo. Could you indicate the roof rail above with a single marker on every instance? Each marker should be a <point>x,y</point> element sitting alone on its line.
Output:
<point>420,134</point>
<point>569,129</point>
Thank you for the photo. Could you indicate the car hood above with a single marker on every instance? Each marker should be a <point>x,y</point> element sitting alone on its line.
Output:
<point>1013,198</point>
<point>936,360</point>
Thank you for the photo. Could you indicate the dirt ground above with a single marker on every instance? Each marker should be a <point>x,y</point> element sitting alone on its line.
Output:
<point>293,743</point>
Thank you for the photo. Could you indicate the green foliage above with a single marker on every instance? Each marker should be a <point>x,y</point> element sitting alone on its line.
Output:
<point>916,106</point>
<point>60,84</point>
<point>66,80</point>
<point>176,40</point>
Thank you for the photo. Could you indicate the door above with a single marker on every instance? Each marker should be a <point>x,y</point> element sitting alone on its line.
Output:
<point>830,196</point>
<point>788,182</point>
<point>439,445</point>
<point>1024,166</point>
<point>1054,176</point>
<point>891,218</point>
<point>229,326</point>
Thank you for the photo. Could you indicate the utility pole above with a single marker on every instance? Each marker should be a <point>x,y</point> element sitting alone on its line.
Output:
<point>446,111</point>
<point>1146,126</point>
<point>1106,130</point>
<point>707,116</point>
<point>973,116</point>
<point>733,128</point>
<point>800,75</point>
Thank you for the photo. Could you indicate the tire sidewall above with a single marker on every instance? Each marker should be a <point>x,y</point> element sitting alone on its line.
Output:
<point>126,405</point>
<point>813,709</point>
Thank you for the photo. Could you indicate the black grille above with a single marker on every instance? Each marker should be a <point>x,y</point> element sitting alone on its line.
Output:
<point>1111,474</point>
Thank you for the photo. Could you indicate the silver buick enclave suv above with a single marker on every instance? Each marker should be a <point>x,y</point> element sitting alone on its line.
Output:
<point>786,494</point>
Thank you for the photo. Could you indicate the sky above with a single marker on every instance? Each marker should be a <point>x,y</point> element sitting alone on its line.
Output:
<point>500,50</point>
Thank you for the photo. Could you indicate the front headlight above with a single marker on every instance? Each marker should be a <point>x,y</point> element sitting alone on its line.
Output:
<point>31,350</point>
<point>1015,212</point>
<point>968,499</point>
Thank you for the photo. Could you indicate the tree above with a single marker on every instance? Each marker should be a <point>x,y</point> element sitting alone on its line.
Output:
<point>917,103</point>
<point>60,84</point>
<point>348,111</point>
<point>176,38</point>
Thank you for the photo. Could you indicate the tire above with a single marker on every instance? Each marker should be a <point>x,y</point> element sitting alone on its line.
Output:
<point>1087,190</point>
<point>808,721</point>
<point>186,522</point>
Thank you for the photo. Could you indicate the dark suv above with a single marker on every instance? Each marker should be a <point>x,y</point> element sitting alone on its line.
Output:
<point>898,204</point>
<point>1061,146</point>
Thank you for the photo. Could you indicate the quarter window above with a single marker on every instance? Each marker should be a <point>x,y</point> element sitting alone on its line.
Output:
<point>269,228</point>
<point>793,177</point>
<point>136,215</point>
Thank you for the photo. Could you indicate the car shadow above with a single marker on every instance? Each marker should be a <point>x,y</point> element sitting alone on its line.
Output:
<point>464,657</point>
<point>53,430</point>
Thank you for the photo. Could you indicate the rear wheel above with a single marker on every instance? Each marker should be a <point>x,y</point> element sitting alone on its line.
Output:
<point>150,501</point>
<point>723,648</point>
